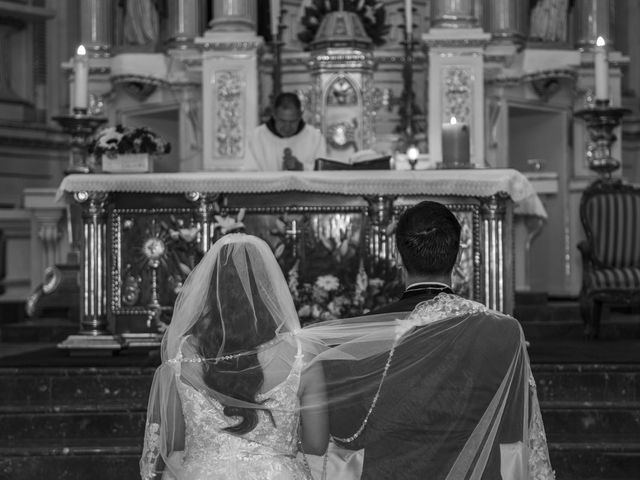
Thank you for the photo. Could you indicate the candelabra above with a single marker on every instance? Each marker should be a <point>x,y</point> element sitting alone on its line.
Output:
<point>601,120</point>
<point>276,43</point>
<point>407,128</point>
<point>81,127</point>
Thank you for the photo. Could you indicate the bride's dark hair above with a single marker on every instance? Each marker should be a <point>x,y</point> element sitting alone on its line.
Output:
<point>230,323</point>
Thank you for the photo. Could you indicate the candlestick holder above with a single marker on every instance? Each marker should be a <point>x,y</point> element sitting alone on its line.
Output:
<point>601,120</point>
<point>276,49</point>
<point>407,129</point>
<point>81,127</point>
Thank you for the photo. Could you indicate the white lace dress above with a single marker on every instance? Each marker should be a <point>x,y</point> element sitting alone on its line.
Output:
<point>267,453</point>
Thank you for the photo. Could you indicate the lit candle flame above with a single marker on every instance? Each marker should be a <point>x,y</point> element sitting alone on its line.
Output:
<point>81,50</point>
<point>600,42</point>
<point>413,152</point>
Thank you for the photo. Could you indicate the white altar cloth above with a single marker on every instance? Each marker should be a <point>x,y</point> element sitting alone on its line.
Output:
<point>468,183</point>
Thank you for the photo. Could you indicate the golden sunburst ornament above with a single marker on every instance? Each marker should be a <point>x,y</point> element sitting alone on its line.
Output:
<point>154,249</point>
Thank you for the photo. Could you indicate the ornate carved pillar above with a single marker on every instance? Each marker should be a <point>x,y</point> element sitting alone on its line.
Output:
<point>453,14</point>
<point>234,15</point>
<point>380,245</point>
<point>97,26</point>
<point>205,209</point>
<point>497,261</point>
<point>230,84</point>
<point>183,22</point>
<point>592,20</point>
<point>456,85</point>
<point>94,328</point>
<point>506,20</point>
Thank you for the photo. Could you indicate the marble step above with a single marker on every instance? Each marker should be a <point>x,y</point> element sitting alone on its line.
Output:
<point>72,459</point>
<point>587,382</point>
<point>101,459</point>
<point>593,421</point>
<point>61,389</point>
<point>33,426</point>
<point>614,458</point>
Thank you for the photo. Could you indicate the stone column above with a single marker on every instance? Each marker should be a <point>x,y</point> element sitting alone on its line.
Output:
<point>505,20</point>
<point>454,14</point>
<point>97,26</point>
<point>592,20</point>
<point>183,22</point>
<point>234,16</point>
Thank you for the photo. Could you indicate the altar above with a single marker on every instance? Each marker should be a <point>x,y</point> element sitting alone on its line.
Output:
<point>332,233</point>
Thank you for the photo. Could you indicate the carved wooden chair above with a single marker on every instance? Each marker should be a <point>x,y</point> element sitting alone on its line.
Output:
<point>610,215</point>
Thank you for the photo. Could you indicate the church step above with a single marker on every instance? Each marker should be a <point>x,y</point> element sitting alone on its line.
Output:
<point>30,426</point>
<point>60,389</point>
<point>603,460</point>
<point>72,459</point>
<point>587,383</point>
<point>592,421</point>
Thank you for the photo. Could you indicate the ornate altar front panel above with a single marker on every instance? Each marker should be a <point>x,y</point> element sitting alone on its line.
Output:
<point>331,233</point>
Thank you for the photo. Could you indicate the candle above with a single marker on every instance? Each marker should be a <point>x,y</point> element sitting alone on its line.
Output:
<point>601,63</point>
<point>275,18</point>
<point>408,16</point>
<point>81,78</point>
<point>455,144</point>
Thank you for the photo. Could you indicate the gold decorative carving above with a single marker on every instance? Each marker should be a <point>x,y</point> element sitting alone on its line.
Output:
<point>457,84</point>
<point>229,100</point>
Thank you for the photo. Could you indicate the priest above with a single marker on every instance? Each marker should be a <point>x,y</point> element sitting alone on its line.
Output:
<point>285,142</point>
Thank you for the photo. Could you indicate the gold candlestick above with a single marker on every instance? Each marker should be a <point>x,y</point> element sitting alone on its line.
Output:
<point>81,127</point>
<point>601,120</point>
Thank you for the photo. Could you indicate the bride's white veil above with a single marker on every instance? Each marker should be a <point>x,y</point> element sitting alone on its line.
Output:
<point>235,318</point>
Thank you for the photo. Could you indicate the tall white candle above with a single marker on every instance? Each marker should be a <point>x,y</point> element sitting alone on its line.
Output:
<point>275,18</point>
<point>456,149</point>
<point>408,16</point>
<point>81,78</point>
<point>601,62</point>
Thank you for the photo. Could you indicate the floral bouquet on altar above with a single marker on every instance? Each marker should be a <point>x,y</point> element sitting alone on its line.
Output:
<point>330,297</point>
<point>127,150</point>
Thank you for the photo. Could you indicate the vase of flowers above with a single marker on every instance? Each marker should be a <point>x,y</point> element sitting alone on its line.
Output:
<point>121,149</point>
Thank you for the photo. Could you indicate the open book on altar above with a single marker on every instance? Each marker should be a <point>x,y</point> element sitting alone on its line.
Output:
<point>364,160</point>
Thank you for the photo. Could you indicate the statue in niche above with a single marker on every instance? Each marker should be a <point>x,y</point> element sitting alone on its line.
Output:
<point>141,22</point>
<point>342,92</point>
<point>549,21</point>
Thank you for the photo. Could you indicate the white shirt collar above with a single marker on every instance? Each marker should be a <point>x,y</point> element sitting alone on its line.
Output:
<point>429,284</point>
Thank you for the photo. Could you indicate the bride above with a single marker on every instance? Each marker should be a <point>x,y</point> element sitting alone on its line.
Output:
<point>241,392</point>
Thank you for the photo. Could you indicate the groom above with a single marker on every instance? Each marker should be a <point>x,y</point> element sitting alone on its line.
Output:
<point>422,419</point>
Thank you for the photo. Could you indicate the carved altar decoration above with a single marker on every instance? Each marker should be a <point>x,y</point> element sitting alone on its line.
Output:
<point>456,86</point>
<point>332,233</point>
<point>230,105</point>
<point>342,100</point>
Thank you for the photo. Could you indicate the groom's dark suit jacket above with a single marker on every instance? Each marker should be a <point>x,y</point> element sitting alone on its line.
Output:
<point>422,419</point>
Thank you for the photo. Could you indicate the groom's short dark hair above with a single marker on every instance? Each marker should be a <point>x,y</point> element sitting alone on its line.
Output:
<point>428,239</point>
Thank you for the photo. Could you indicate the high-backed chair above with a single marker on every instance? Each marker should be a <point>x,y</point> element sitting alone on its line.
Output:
<point>610,215</point>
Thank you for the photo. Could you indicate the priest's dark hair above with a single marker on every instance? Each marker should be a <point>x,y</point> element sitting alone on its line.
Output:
<point>428,239</point>
<point>287,101</point>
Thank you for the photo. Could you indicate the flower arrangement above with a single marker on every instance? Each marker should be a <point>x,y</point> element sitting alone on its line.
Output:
<point>112,141</point>
<point>329,297</point>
